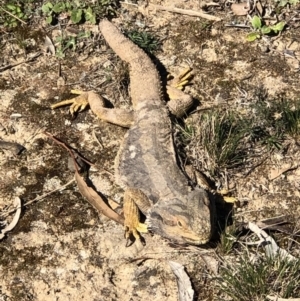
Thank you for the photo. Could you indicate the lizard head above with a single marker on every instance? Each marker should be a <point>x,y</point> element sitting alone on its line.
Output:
<point>186,220</point>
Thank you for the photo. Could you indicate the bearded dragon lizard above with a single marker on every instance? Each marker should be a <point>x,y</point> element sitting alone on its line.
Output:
<point>146,164</point>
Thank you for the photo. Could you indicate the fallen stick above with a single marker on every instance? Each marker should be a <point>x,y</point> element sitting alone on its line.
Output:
<point>23,62</point>
<point>188,12</point>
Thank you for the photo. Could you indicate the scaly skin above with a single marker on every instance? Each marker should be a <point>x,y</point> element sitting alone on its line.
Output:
<point>146,163</point>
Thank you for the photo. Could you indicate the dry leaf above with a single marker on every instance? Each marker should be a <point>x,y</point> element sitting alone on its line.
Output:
<point>240,9</point>
<point>15,220</point>
<point>185,290</point>
<point>49,45</point>
<point>96,201</point>
<point>14,147</point>
<point>259,8</point>
<point>60,82</point>
<point>271,248</point>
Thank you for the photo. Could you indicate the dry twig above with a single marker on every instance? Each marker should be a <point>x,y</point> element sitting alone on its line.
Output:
<point>38,198</point>
<point>176,10</point>
<point>70,151</point>
<point>23,62</point>
<point>188,12</point>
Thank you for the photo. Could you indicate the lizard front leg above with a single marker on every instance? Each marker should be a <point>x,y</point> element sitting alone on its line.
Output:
<point>134,201</point>
<point>96,102</point>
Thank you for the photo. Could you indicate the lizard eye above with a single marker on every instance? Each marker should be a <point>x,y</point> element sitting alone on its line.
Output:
<point>181,224</point>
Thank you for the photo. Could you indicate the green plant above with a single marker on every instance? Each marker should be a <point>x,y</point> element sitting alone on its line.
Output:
<point>186,132</point>
<point>261,29</point>
<point>144,40</point>
<point>275,120</point>
<point>105,8</point>
<point>227,240</point>
<point>77,10</point>
<point>65,43</point>
<point>12,14</point>
<point>282,3</point>
<point>222,137</point>
<point>252,279</point>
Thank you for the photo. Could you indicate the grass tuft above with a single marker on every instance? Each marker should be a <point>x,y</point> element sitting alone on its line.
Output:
<point>254,278</point>
<point>144,40</point>
<point>227,139</point>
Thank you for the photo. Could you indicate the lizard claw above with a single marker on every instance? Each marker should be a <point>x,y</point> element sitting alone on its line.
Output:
<point>78,103</point>
<point>132,228</point>
<point>183,79</point>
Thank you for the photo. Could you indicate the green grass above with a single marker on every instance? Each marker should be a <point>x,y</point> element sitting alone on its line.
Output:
<point>220,138</point>
<point>254,277</point>
<point>227,139</point>
<point>144,40</point>
<point>228,240</point>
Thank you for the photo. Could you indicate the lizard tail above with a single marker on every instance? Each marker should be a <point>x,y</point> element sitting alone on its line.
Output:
<point>145,82</point>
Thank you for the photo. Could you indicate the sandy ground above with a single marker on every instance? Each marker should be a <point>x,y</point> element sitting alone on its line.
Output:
<point>62,249</point>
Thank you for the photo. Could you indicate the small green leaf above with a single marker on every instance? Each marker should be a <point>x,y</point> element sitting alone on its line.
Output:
<point>70,44</point>
<point>89,15</point>
<point>252,36</point>
<point>265,29</point>
<point>60,54</point>
<point>283,3</point>
<point>77,3</point>
<point>76,15</point>
<point>47,7</point>
<point>49,19</point>
<point>59,7</point>
<point>256,22</point>
<point>84,34</point>
<point>278,27</point>
<point>59,39</point>
<point>68,5</point>
<point>10,6</point>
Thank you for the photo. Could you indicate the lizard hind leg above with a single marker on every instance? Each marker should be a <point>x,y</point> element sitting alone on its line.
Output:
<point>134,201</point>
<point>179,101</point>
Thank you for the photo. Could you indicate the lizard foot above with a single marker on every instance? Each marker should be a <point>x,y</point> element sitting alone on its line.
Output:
<point>132,223</point>
<point>78,103</point>
<point>182,79</point>
<point>179,101</point>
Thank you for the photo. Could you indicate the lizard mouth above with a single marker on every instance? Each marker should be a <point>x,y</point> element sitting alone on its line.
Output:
<point>196,241</point>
